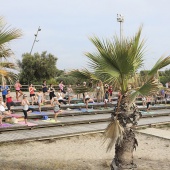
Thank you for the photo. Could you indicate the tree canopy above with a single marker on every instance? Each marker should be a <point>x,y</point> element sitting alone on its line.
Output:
<point>37,67</point>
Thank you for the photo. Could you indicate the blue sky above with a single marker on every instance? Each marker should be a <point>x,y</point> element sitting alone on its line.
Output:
<point>67,24</point>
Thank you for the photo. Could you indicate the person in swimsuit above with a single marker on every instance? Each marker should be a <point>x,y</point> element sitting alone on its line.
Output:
<point>25,103</point>
<point>18,90</point>
<point>40,99</point>
<point>9,101</point>
<point>32,94</point>
<point>57,110</point>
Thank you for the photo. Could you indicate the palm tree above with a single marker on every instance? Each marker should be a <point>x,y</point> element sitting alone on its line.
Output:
<point>6,36</point>
<point>84,75</point>
<point>117,62</point>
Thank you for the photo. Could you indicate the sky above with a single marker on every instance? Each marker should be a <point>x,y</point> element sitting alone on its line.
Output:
<point>66,26</point>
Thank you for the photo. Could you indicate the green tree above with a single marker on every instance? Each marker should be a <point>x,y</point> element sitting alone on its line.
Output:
<point>27,69</point>
<point>37,67</point>
<point>117,62</point>
<point>7,34</point>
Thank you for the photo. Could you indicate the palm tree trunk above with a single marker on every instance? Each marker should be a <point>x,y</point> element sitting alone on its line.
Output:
<point>128,117</point>
<point>124,152</point>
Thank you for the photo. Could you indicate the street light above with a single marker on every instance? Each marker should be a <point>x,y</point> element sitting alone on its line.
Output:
<point>120,19</point>
<point>35,40</point>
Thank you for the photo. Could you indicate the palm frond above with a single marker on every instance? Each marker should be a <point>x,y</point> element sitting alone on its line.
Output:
<point>81,89</point>
<point>149,88</point>
<point>162,62</point>
<point>113,133</point>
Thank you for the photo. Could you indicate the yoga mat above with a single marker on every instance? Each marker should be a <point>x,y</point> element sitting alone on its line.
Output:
<point>84,110</point>
<point>90,110</point>
<point>15,115</point>
<point>38,113</point>
<point>31,107</point>
<point>143,112</point>
<point>4,125</point>
<point>50,120</point>
<point>20,119</point>
<point>15,101</point>
<point>28,123</point>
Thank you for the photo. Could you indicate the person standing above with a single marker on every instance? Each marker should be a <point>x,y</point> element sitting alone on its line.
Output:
<point>32,94</point>
<point>110,90</point>
<point>40,99</point>
<point>106,97</point>
<point>51,93</point>
<point>25,103</point>
<point>84,85</point>
<point>148,102</point>
<point>69,93</point>
<point>4,89</point>
<point>18,90</point>
<point>144,100</point>
<point>61,86</point>
<point>98,92</point>
<point>44,89</point>
<point>57,110</point>
<point>9,101</point>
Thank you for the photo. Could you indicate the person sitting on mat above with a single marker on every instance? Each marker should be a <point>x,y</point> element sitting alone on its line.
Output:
<point>2,110</point>
<point>25,103</point>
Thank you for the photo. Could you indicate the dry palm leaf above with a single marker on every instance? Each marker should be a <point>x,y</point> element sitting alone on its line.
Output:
<point>113,133</point>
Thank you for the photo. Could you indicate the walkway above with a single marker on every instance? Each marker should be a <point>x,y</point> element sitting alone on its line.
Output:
<point>58,132</point>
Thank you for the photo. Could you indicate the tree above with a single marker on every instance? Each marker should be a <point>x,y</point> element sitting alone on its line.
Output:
<point>37,67</point>
<point>116,61</point>
<point>6,36</point>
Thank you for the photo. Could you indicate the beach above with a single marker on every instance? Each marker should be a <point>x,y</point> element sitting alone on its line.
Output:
<point>85,152</point>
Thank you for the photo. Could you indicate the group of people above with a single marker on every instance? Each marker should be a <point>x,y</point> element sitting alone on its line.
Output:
<point>162,95</point>
<point>39,97</point>
<point>6,100</point>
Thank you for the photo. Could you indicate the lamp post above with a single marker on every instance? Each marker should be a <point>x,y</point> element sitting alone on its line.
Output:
<point>120,19</point>
<point>35,40</point>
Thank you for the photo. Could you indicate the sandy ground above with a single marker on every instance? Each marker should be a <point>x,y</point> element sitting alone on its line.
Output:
<point>81,153</point>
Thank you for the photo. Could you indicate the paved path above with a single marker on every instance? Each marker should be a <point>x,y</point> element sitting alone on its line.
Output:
<point>156,132</point>
<point>54,132</point>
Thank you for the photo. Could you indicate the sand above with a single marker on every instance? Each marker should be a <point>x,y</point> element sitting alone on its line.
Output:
<point>81,153</point>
